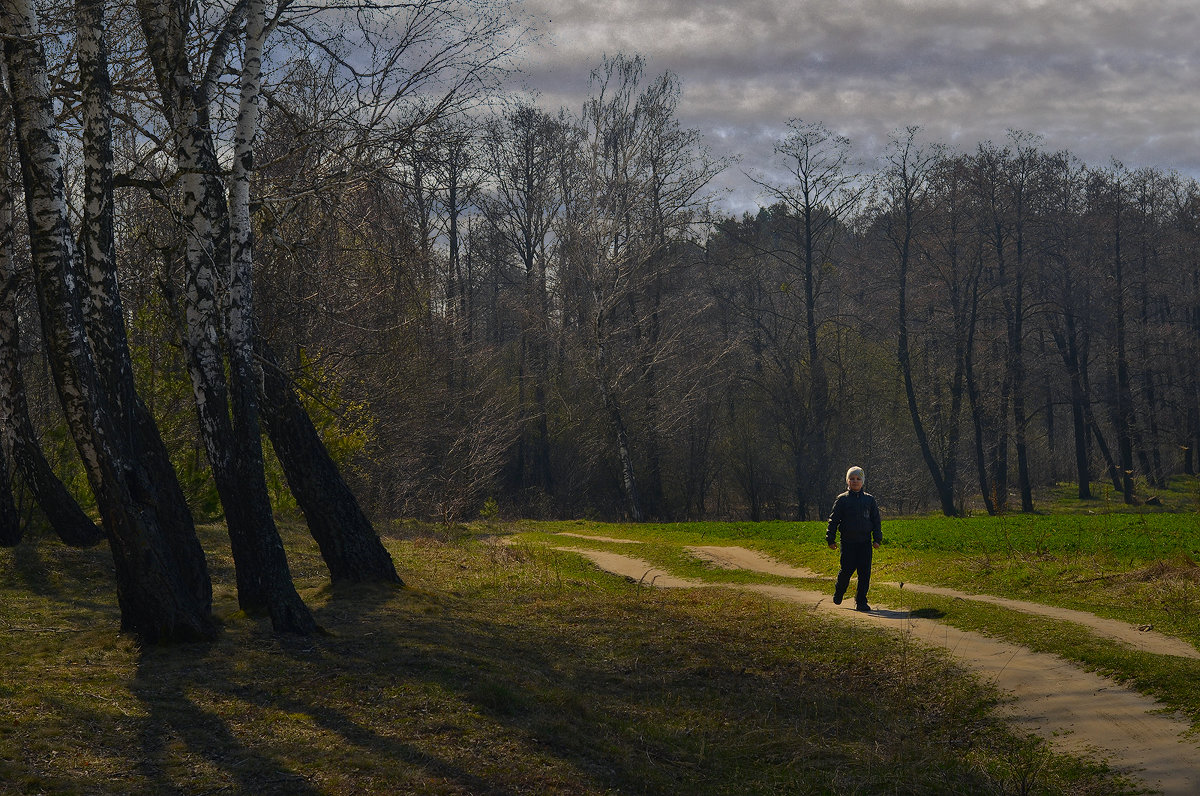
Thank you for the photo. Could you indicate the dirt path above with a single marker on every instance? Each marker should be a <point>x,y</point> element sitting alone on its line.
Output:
<point>1144,640</point>
<point>743,558</point>
<point>1079,711</point>
<point>598,538</point>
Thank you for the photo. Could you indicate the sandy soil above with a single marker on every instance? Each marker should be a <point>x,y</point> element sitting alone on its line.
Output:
<point>743,558</point>
<point>1144,640</point>
<point>1078,711</point>
<point>598,538</point>
<point>633,568</point>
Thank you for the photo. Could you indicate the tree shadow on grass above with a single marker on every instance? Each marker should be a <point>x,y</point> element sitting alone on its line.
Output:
<point>582,714</point>
<point>371,741</point>
<point>161,683</point>
<point>474,663</point>
<point>39,562</point>
<point>411,692</point>
<point>179,732</point>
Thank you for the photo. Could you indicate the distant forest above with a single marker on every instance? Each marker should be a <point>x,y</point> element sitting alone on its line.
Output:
<point>541,308</point>
<point>541,312</point>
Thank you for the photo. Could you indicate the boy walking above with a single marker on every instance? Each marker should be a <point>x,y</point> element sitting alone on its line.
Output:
<point>856,514</point>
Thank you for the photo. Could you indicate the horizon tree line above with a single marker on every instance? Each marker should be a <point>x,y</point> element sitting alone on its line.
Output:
<point>972,326</point>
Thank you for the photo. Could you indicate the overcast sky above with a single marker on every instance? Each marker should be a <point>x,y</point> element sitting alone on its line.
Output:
<point>1101,78</point>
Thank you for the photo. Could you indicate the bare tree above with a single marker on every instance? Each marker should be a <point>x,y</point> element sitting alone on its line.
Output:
<point>907,187</point>
<point>521,155</point>
<point>1113,192</point>
<point>630,208</point>
<point>822,192</point>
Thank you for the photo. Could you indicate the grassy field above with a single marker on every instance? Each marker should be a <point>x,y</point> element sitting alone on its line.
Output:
<point>1139,566</point>
<point>500,669</point>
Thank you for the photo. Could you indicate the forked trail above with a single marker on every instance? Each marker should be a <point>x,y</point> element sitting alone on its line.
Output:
<point>1144,640</point>
<point>1081,712</point>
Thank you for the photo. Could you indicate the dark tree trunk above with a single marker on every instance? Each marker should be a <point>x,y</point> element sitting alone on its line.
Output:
<point>1083,469</point>
<point>944,487</point>
<point>1016,353</point>
<point>999,453</point>
<point>68,520</point>
<point>1068,349</point>
<point>348,542</point>
<point>1020,417</point>
<point>1121,407</point>
<point>974,398</point>
<point>10,519</point>
<point>250,509</point>
<point>1148,450</point>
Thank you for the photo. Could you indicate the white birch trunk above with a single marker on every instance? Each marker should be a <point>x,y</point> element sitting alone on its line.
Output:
<point>227,411</point>
<point>18,440</point>
<point>157,602</point>
<point>241,296</point>
<point>50,235</point>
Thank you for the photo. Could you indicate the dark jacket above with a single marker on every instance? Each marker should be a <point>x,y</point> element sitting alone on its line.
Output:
<point>857,515</point>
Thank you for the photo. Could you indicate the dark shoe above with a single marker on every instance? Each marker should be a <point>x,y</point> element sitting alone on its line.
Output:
<point>862,607</point>
<point>837,599</point>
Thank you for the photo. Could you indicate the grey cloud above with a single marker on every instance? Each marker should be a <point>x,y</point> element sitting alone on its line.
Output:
<point>1102,78</point>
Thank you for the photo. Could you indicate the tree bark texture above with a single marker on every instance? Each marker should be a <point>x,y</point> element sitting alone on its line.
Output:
<point>21,451</point>
<point>159,596</point>
<point>351,548</point>
<point>227,414</point>
<point>103,311</point>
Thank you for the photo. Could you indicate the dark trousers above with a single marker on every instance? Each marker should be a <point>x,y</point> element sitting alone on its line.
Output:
<point>856,556</point>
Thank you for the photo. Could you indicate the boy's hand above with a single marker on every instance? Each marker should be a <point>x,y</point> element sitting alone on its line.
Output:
<point>875,545</point>
<point>832,546</point>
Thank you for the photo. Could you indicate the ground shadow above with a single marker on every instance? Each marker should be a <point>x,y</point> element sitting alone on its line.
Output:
<point>927,613</point>
<point>161,683</point>
<point>40,561</point>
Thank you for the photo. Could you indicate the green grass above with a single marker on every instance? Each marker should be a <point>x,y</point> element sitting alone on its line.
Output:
<point>1137,567</point>
<point>498,670</point>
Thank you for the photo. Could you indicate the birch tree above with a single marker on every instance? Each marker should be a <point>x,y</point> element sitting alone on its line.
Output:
<point>19,448</point>
<point>626,203</point>
<point>226,410</point>
<point>162,581</point>
<point>608,223</point>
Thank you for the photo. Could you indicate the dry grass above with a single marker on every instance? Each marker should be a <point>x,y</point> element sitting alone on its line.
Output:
<point>498,670</point>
